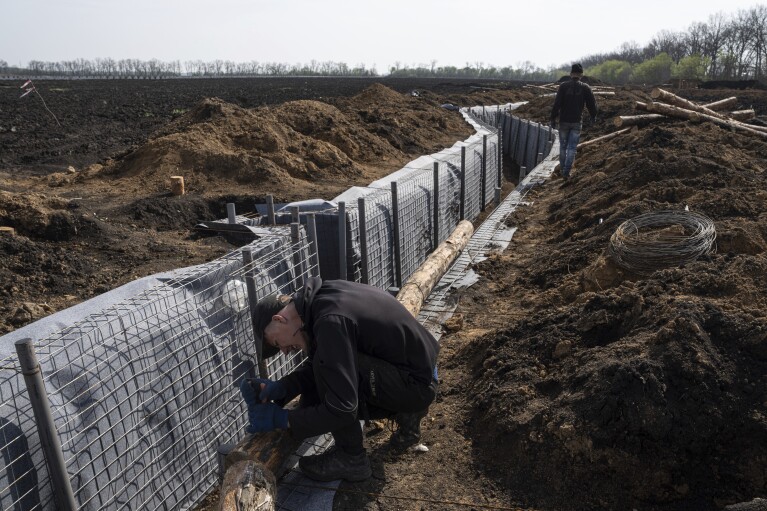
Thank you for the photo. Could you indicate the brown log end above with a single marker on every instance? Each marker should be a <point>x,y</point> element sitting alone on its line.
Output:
<point>177,185</point>
<point>248,486</point>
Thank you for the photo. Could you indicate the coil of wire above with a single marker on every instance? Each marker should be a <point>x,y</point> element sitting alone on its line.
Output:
<point>662,239</point>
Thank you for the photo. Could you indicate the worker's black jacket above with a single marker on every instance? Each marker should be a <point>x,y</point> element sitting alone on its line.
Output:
<point>343,318</point>
<point>571,96</point>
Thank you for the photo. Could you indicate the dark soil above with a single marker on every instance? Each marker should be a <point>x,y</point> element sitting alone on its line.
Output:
<point>568,382</point>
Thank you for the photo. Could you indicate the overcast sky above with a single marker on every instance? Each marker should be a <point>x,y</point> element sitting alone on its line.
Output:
<point>412,32</point>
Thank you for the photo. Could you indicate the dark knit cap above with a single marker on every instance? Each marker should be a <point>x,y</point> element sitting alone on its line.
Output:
<point>265,309</point>
<point>577,68</point>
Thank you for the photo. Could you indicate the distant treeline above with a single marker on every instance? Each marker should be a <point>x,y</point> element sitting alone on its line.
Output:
<point>135,68</point>
<point>727,47</point>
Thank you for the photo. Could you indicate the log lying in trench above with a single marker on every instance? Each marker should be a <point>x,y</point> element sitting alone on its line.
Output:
<point>423,280</point>
<point>682,113</point>
<point>636,120</point>
<point>603,138</point>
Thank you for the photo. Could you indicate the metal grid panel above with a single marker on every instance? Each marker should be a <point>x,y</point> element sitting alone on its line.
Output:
<point>143,392</point>
<point>379,231</point>
<point>491,168</point>
<point>520,155</point>
<point>473,199</point>
<point>449,194</point>
<point>416,230</point>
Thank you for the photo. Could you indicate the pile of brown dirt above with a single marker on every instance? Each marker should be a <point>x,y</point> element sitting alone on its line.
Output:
<point>607,390</point>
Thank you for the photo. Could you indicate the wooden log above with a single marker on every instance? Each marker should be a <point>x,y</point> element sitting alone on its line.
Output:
<point>698,116</point>
<point>603,93</point>
<point>639,105</point>
<point>674,111</point>
<point>722,104</point>
<point>248,487</point>
<point>742,115</point>
<point>177,185</point>
<point>422,281</point>
<point>7,231</point>
<point>636,120</point>
<point>603,138</point>
<point>675,100</point>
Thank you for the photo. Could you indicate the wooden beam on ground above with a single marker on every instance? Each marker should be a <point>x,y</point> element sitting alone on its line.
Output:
<point>639,105</point>
<point>682,113</point>
<point>722,104</point>
<point>742,115</point>
<point>636,120</point>
<point>673,99</point>
<point>602,138</point>
<point>423,280</point>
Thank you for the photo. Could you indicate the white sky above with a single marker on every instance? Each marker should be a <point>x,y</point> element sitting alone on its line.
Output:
<point>412,32</point>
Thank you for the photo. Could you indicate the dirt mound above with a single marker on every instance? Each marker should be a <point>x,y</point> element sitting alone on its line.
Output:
<point>609,390</point>
<point>217,143</point>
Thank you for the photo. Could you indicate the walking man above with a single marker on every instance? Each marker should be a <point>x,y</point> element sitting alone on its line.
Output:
<point>568,106</point>
<point>368,358</point>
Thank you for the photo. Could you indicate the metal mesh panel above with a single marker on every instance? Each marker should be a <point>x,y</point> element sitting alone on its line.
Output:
<point>416,230</point>
<point>379,233</point>
<point>449,195</point>
<point>144,391</point>
<point>491,169</point>
<point>473,200</point>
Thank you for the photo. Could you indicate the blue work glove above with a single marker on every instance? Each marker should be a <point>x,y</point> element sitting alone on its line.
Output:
<point>266,417</point>
<point>270,391</point>
<point>249,392</point>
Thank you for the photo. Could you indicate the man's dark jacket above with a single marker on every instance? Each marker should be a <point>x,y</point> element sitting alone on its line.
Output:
<point>341,319</point>
<point>571,96</point>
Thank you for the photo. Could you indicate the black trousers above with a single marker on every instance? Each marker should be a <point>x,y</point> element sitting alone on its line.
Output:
<point>384,390</point>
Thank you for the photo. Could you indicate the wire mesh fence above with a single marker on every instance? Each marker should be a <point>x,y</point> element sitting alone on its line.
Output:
<point>142,392</point>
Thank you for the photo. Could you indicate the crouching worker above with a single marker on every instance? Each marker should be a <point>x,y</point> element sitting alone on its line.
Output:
<point>368,358</point>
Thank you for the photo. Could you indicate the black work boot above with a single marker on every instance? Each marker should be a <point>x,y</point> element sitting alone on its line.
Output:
<point>336,464</point>
<point>408,430</point>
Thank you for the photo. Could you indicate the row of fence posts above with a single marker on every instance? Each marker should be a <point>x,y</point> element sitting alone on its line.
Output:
<point>30,367</point>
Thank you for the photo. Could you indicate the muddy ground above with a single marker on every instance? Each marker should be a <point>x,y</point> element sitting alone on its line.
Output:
<point>568,382</point>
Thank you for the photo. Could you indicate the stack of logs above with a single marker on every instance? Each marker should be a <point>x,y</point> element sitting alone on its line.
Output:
<point>667,104</point>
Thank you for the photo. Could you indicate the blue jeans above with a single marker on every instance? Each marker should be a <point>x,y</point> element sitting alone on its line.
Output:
<point>569,134</point>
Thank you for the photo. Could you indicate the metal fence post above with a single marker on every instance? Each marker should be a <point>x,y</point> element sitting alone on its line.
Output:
<point>436,205</point>
<point>497,195</point>
<point>342,240</point>
<point>250,286</point>
<point>365,277</point>
<point>295,245</point>
<point>270,209</point>
<point>396,244</point>
<point>462,210</point>
<point>295,217</point>
<point>522,173</point>
<point>230,213</point>
<point>49,438</point>
<point>484,172</point>
<point>314,254</point>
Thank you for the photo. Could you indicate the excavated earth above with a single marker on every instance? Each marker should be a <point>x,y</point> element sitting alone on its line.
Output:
<point>567,381</point>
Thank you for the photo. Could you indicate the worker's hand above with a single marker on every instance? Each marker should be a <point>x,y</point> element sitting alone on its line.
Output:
<point>267,417</point>
<point>249,390</point>
<point>269,390</point>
